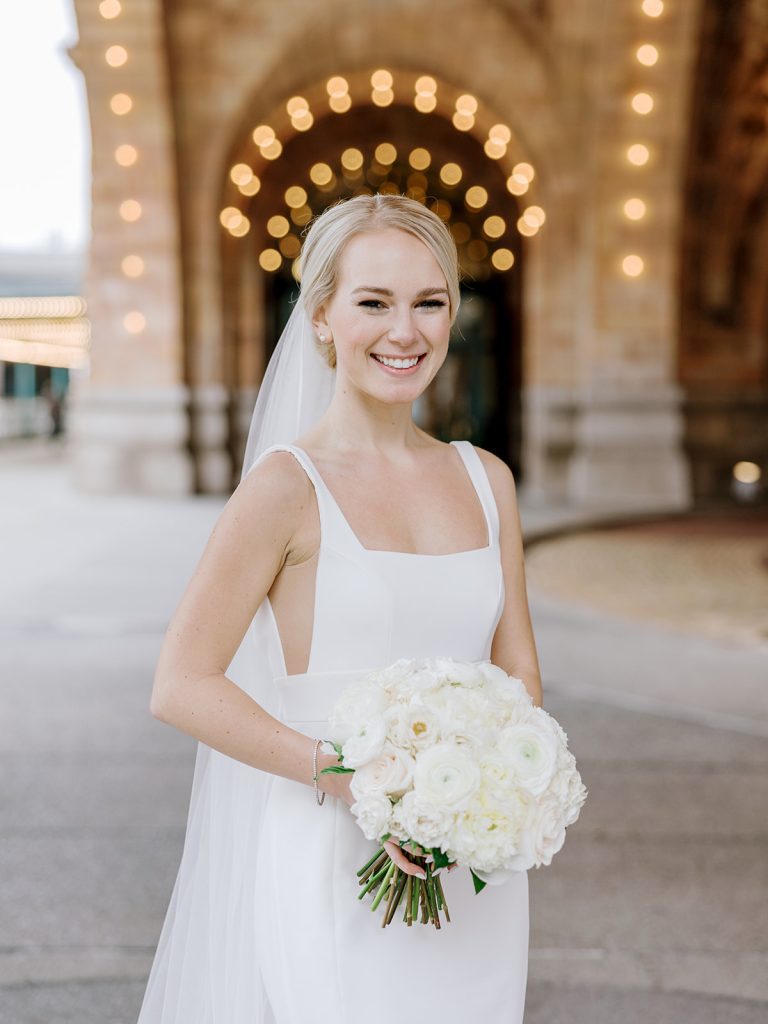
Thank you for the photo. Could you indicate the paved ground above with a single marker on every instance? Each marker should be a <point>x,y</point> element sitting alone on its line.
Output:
<point>706,576</point>
<point>653,912</point>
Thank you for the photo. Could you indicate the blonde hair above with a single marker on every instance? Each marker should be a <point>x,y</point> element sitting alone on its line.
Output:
<point>328,234</point>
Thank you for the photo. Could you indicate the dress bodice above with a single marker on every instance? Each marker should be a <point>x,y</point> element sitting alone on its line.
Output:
<point>374,606</point>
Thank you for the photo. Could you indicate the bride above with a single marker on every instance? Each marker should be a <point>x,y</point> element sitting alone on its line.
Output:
<point>354,538</point>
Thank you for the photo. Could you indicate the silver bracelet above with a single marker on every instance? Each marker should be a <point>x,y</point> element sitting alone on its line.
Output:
<point>318,797</point>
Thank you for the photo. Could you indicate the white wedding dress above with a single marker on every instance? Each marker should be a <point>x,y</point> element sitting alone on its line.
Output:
<point>322,955</point>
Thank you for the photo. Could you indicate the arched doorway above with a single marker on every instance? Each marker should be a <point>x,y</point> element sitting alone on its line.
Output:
<point>281,175</point>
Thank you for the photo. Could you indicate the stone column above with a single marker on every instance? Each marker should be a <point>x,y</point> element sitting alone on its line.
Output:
<point>128,416</point>
<point>627,416</point>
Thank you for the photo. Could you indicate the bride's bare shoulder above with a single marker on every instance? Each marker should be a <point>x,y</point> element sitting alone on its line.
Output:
<point>273,497</point>
<point>502,482</point>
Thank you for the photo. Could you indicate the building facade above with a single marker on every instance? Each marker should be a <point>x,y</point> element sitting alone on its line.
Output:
<point>605,322</point>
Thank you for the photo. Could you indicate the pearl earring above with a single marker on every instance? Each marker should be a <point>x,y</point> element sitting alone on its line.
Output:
<point>322,337</point>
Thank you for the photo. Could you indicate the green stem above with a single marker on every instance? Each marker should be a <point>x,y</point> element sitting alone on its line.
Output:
<point>439,885</point>
<point>390,899</point>
<point>374,858</point>
<point>398,896</point>
<point>373,880</point>
<point>377,865</point>
<point>382,888</point>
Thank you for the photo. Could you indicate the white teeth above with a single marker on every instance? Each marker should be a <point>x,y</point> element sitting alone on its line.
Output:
<point>398,364</point>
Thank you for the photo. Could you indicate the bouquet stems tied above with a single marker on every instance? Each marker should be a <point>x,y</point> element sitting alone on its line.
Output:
<point>423,898</point>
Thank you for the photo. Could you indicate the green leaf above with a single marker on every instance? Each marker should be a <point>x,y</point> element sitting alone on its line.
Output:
<point>478,882</point>
<point>336,769</point>
<point>385,837</point>
<point>336,747</point>
<point>441,859</point>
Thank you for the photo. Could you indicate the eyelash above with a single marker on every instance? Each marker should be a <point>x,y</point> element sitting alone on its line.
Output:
<point>435,303</point>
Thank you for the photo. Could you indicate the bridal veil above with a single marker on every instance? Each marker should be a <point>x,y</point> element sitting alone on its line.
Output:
<point>206,969</point>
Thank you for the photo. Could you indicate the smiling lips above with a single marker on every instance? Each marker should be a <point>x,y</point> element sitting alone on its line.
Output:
<point>397,364</point>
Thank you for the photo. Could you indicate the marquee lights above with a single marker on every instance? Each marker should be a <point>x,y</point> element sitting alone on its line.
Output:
<point>298,212</point>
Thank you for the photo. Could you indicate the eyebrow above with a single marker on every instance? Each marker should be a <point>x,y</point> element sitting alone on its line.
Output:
<point>387,291</point>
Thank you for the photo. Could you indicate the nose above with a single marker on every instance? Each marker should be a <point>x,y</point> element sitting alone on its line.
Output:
<point>402,329</point>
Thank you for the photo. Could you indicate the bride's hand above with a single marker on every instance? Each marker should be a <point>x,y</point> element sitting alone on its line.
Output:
<point>397,854</point>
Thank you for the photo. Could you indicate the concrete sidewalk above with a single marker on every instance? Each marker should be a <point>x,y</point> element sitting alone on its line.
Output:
<point>653,911</point>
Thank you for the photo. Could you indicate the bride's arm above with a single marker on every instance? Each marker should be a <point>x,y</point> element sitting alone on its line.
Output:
<point>248,546</point>
<point>514,647</point>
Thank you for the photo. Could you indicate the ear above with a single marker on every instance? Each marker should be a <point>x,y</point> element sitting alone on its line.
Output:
<point>320,322</point>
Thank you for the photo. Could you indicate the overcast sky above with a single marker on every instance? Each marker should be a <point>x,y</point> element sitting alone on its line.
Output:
<point>45,162</point>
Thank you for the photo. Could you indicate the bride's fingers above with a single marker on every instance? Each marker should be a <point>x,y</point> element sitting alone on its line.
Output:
<point>402,861</point>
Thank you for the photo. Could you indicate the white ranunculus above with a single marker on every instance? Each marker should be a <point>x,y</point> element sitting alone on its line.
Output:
<point>446,776</point>
<point>532,751</point>
<point>366,743</point>
<point>422,820</point>
<point>372,814</point>
<point>412,726</point>
<point>390,773</point>
<point>359,703</point>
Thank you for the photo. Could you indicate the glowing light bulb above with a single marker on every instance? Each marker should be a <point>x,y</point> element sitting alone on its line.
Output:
<point>121,104</point>
<point>642,103</point>
<point>134,322</point>
<point>130,210</point>
<point>116,56</point>
<point>647,54</point>
<point>633,265</point>
<point>132,266</point>
<point>635,209</point>
<point>126,155</point>
<point>638,155</point>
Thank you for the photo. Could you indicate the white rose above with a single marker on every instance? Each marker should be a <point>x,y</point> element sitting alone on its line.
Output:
<point>532,751</point>
<point>499,777</point>
<point>390,773</point>
<point>544,833</point>
<point>419,680</point>
<point>446,776</point>
<point>465,673</point>
<point>422,821</point>
<point>506,687</point>
<point>487,833</point>
<point>569,791</point>
<point>359,703</point>
<point>366,743</point>
<point>372,814</point>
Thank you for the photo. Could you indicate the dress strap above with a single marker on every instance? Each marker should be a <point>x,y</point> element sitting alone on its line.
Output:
<point>482,485</point>
<point>333,526</point>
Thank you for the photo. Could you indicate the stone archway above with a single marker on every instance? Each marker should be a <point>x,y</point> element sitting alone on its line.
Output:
<point>599,398</point>
<point>447,152</point>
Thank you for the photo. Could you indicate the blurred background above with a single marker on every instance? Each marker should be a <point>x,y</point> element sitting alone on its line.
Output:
<point>603,168</point>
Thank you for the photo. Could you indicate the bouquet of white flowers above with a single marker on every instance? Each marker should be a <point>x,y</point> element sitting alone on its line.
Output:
<point>453,759</point>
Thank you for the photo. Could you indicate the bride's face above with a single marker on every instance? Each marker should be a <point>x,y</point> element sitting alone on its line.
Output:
<point>391,302</point>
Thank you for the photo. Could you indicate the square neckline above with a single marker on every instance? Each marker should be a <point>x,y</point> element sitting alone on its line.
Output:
<point>410,554</point>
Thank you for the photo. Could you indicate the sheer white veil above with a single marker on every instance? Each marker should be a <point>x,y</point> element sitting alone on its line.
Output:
<point>206,970</point>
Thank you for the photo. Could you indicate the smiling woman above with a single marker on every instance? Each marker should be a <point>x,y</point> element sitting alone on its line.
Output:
<point>292,600</point>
